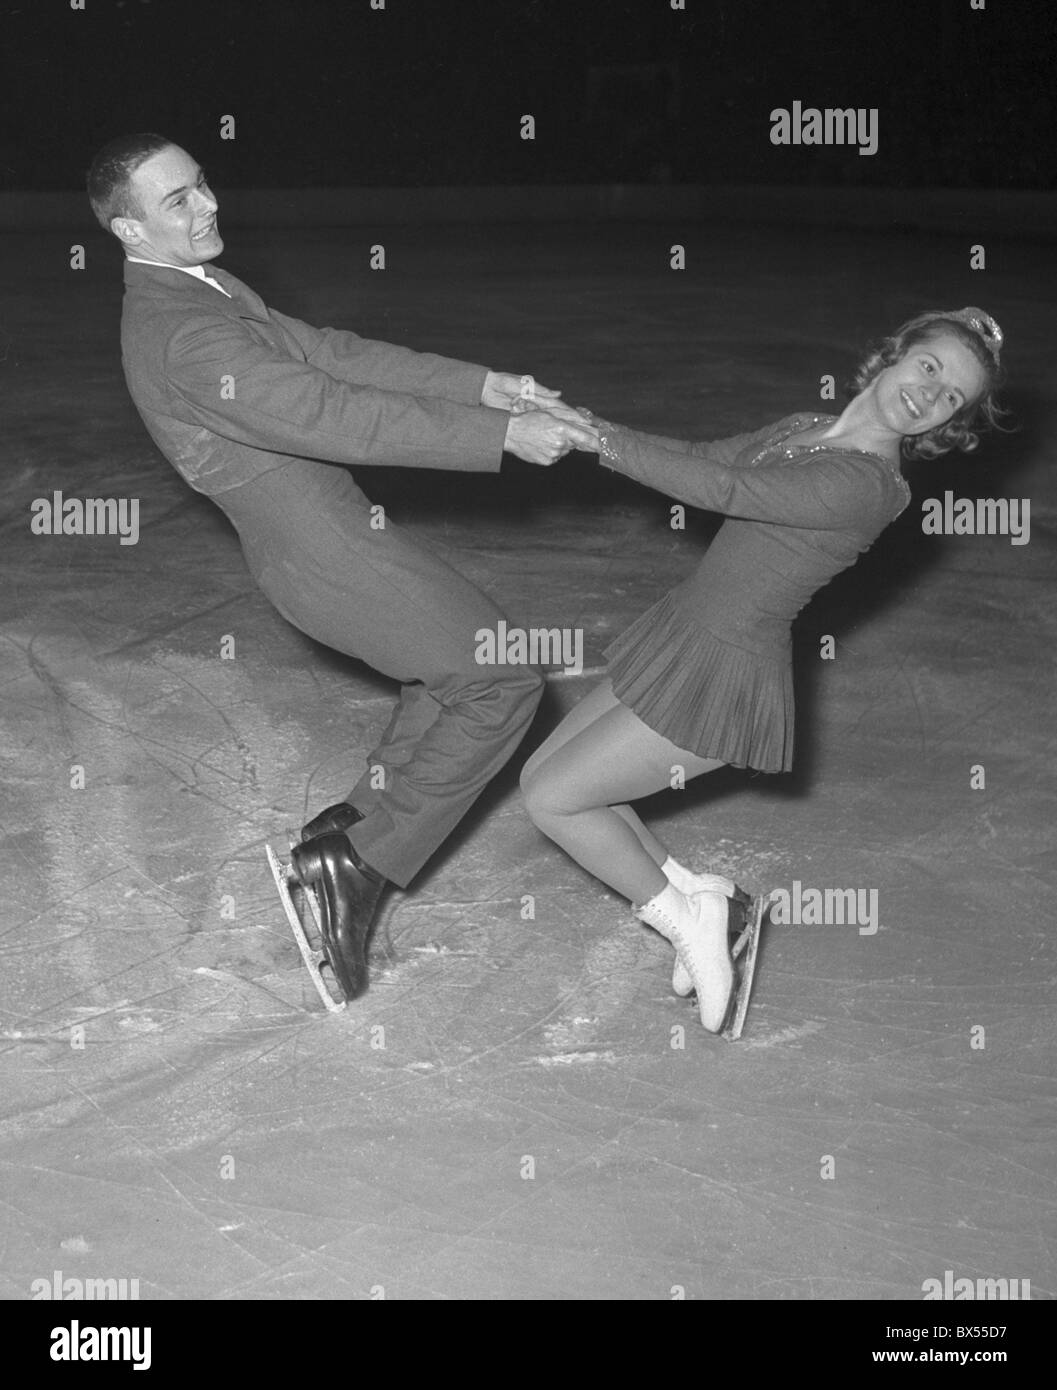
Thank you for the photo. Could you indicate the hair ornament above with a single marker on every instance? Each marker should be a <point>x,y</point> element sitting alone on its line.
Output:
<point>982,324</point>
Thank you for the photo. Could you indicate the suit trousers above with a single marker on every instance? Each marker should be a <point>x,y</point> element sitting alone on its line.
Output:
<point>387,598</point>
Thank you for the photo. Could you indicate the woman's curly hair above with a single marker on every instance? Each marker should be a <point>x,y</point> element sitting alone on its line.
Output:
<point>958,431</point>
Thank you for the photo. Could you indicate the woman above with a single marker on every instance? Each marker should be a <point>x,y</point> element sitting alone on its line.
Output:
<point>704,678</point>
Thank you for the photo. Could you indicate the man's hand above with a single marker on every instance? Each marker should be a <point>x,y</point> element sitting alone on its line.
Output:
<point>575,415</point>
<point>540,437</point>
<point>501,390</point>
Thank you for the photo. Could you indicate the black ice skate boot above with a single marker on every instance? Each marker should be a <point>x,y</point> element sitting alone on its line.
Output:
<point>348,892</point>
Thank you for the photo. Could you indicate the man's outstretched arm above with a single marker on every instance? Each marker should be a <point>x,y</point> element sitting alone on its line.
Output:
<point>367,362</point>
<point>273,401</point>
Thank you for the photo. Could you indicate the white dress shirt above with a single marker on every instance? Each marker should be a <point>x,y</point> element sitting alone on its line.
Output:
<point>196,270</point>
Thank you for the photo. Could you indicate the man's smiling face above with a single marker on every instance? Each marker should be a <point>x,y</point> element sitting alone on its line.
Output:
<point>178,225</point>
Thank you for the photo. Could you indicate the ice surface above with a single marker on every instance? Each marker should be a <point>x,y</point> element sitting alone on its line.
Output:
<point>218,1136</point>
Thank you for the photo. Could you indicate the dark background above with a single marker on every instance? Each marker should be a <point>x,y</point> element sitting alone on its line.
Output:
<point>330,93</point>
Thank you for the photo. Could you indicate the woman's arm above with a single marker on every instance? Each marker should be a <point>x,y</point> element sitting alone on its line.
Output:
<point>827,491</point>
<point>724,452</point>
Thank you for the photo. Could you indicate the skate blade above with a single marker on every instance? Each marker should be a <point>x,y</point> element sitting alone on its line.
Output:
<point>314,960</point>
<point>747,946</point>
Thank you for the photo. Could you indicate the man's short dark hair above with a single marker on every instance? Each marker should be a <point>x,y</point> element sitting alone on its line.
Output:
<point>109,176</point>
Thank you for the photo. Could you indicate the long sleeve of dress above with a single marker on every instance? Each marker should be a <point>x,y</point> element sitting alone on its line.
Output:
<point>822,491</point>
<point>724,451</point>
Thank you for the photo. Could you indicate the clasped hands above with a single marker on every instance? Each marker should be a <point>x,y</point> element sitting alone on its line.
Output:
<point>542,427</point>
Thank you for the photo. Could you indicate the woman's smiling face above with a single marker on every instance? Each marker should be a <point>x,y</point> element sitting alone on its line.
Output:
<point>930,383</point>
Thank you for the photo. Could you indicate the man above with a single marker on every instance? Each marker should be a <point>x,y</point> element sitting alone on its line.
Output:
<point>255,409</point>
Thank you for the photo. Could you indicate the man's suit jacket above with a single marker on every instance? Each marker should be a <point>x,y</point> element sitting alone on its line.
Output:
<point>230,389</point>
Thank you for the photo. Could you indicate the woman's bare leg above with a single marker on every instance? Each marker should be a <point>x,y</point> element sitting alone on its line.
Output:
<point>571,795</point>
<point>612,758</point>
<point>600,701</point>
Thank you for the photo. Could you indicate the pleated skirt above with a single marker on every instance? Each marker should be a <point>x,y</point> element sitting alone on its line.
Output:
<point>706,695</point>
